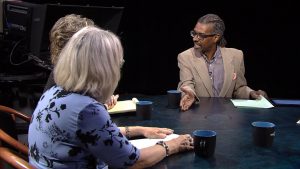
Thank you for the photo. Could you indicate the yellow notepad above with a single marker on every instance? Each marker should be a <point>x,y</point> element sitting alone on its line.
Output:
<point>124,106</point>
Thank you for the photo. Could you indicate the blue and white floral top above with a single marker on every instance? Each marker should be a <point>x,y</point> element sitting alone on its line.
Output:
<point>70,130</point>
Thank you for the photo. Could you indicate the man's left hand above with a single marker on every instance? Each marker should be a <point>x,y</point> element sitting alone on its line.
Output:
<point>256,94</point>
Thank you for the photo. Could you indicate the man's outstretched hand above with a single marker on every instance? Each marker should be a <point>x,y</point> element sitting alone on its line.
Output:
<point>188,98</point>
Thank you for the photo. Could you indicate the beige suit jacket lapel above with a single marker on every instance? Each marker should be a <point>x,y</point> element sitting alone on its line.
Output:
<point>201,68</point>
<point>228,71</point>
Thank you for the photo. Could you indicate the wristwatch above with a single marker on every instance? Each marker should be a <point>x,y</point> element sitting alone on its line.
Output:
<point>162,143</point>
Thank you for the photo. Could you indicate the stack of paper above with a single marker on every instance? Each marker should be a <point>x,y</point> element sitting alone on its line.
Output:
<point>261,103</point>
<point>144,143</point>
<point>124,106</point>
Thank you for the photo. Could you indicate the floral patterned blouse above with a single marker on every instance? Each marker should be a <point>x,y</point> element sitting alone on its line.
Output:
<point>70,130</point>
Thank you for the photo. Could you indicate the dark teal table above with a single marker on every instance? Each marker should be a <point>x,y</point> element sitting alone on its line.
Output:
<point>234,149</point>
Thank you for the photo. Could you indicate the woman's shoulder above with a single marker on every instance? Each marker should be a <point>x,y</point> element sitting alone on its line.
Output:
<point>58,96</point>
<point>95,108</point>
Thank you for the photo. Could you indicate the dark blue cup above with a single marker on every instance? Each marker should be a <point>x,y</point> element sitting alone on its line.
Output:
<point>204,142</point>
<point>174,97</point>
<point>144,109</point>
<point>263,133</point>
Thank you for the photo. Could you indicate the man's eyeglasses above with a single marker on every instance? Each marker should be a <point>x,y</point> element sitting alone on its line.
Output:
<point>200,36</point>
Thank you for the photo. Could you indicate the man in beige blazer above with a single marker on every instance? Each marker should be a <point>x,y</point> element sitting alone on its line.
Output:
<point>209,69</point>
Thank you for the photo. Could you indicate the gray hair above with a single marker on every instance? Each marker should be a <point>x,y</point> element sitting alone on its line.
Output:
<point>218,26</point>
<point>90,63</point>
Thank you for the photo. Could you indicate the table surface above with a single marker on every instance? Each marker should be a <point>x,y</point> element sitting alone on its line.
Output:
<point>234,147</point>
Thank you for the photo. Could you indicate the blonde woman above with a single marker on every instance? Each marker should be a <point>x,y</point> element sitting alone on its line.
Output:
<point>63,29</point>
<point>70,126</point>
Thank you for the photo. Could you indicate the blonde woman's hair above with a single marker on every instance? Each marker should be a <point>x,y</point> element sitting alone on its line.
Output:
<point>90,63</point>
<point>63,29</point>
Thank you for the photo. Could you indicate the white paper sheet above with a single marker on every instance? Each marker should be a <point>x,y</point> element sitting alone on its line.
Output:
<point>146,142</point>
<point>261,103</point>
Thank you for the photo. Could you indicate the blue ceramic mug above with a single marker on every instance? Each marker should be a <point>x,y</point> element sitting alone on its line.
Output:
<point>144,109</point>
<point>204,142</point>
<point>263,133</point>
<point>174,97</point>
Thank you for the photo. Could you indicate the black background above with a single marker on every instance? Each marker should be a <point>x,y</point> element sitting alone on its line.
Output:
<point>154,32</point>
<point>267,32</point>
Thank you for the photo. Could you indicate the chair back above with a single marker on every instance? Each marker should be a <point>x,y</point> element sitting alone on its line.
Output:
<point>12,159</point>
<point>9,139</point>
<point>13,142</point>
<point>15,113</point>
